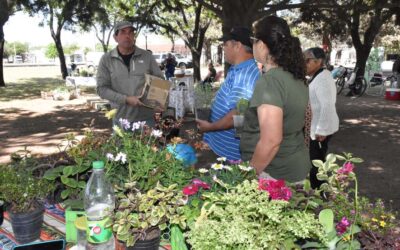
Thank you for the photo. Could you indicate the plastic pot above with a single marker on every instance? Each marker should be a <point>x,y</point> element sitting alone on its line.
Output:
<point>27,226</point>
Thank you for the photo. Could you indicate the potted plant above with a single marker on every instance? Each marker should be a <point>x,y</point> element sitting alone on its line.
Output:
<point>203,97</point>
<point>135,155</point>
<point>24,193</point>
<point>253,215</point>
<point>140,216</point>
<point>238,119</point>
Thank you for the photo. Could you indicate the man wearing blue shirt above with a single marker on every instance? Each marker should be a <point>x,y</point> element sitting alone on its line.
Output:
<point>239,83</point>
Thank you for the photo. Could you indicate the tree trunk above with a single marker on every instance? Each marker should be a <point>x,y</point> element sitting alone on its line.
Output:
<point>196,65</point>
<point>2,83</point>
<point>207,47</point>
<point>362,54</point>
<point>61,56</point>
<point>219,54</point>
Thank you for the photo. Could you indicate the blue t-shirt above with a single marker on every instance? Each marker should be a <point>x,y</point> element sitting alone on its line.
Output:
<point>239,83</point>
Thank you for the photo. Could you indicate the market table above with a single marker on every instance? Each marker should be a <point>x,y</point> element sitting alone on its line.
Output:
<point>53,228</point>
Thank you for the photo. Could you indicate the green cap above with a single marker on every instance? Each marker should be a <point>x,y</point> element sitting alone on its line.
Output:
<point>98,165</point>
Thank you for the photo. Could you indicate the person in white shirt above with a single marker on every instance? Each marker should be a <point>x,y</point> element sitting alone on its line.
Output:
<point>325,121</point>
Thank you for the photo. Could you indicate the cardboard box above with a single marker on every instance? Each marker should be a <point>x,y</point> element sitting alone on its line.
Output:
<point>155,92</point>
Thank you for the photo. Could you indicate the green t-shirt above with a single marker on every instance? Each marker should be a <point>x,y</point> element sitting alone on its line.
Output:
<point>279,88</point>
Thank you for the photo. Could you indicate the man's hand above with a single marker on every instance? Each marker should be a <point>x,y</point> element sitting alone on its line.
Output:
<point>203,126</point>
<point>133,101</point>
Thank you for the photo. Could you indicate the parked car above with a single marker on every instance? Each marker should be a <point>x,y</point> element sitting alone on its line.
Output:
<point>180,59</point>
<point>18,59</point>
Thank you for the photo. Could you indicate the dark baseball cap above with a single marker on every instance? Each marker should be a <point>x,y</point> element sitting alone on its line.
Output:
<point>121,25</point>
<point>316,53</point>
<point>240,34</point>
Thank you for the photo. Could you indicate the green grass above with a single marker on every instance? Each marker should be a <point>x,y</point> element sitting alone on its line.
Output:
<point>29,88</point>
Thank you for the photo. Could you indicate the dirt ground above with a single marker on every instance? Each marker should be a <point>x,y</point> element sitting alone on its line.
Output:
<point>369,129</point>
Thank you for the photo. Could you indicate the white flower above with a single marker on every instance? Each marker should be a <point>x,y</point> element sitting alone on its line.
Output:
<point>217,166</point>
<point>244,168</point>
<point>156,133</point>
<point>215,178</point>
<point>121,157</point>
<point>110,156</point>
<point>25,195</point>
<point>125,124</point>
<point>227,168</point>
<point>221,159</point>
<point>142,123</point>
<point>135,126</point>
<point>203,170</point>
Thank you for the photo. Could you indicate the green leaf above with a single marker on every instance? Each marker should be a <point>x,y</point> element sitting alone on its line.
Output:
<point>331,158</point>
<point>326,219</point>
<point>53,173</point>
<point>356,160</point>
<point>318,163</point>
<point>65,193</point>
<point>67,171</point>
<point>69,182</point>
<point>340,157</point>
<point>82,184</point>
<point>307,185</point>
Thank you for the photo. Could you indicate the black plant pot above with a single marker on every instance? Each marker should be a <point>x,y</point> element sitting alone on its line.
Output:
<point>153,244</point>
<point>1,212</point>
<point>148,244</point>
<point>27,226</point>
<point>203,114</point>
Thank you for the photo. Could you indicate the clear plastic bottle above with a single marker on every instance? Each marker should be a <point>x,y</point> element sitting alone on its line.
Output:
<point>99,202</point>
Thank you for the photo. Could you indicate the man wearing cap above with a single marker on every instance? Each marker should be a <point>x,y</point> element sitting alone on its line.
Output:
<point>324,121</point>
<point>239,83</point>
<point>120,75</point>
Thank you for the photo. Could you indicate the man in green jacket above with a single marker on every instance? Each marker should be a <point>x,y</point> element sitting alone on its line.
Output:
<point>121,75</point>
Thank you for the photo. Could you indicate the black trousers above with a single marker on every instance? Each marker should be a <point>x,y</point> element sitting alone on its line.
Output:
<point>318,151</point>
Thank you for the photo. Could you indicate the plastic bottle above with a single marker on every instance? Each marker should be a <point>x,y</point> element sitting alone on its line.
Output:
<point>99,202</point>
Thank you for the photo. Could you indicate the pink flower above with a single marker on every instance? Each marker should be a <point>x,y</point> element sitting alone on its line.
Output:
<point>276,189</point>
<point>190,189</point>
<point>200,183</point>
<point>342,226</point>
<point>346,169</point>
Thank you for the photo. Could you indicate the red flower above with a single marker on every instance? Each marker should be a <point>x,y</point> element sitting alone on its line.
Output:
<point>200,183</point>
<point>276,189</point>
<point>190,189</point>
<point>194,187</point>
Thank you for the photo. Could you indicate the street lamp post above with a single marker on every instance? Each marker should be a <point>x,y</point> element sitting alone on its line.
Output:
<point>145,33</point>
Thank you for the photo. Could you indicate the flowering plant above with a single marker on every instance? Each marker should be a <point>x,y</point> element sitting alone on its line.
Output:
<point>21,189</point>
<point>141,215</point>
<point>135,155</point>
<point>248,217</point>
<point>357,220</point>
<point>223,174</point>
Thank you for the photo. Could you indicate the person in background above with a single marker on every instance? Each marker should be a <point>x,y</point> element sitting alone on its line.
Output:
<point>273,138</point>
<point>121,75</point>
<point>170,64</point>
<point>239,83</point>
<point>396,70</point>
<point>324,121</point>
<point>210,76</point>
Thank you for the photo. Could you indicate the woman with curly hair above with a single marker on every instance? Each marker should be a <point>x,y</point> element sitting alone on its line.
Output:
<point>272,138</point>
